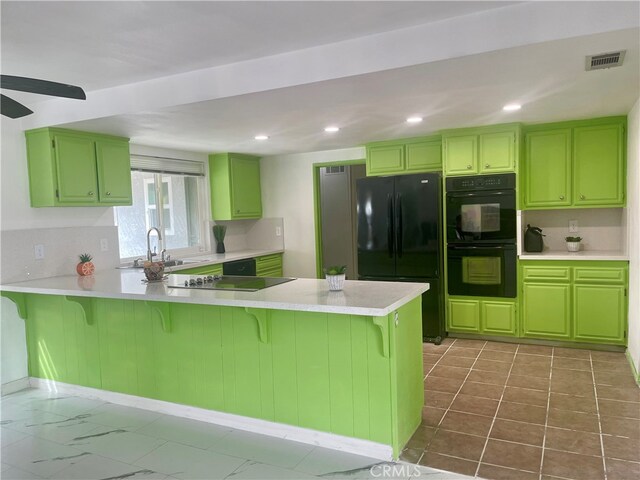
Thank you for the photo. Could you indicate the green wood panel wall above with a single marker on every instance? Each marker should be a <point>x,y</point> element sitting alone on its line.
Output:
<point>315,370</point>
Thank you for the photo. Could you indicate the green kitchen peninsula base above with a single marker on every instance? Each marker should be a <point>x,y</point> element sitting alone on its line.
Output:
<point>350,375</point>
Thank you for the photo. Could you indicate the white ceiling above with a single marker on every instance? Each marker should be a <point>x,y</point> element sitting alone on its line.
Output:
<point>137,41</point>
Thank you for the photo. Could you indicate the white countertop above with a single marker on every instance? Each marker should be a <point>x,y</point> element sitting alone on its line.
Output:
<point>612,255</point>
<point>303,294</point>
<point>217,258</point>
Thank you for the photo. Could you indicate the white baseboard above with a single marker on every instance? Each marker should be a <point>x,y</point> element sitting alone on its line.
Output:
<point>264,427</point>
<point>14,386</point>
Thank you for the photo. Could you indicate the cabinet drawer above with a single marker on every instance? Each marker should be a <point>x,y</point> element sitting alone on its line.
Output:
<point>269,261</point>
<point>271,272</point>
<point>204,270</point>
<point>599,275</point>
<point>555,274</point>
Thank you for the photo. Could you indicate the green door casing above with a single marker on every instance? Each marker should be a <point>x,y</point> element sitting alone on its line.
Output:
<point>76,169</point>
<point>114,172</point>
<point>600,312</point>
<point>246,199</point>
<point>546,310</point>
<point>598,169</point>
<point>547,168</point>
<point>461,155</point>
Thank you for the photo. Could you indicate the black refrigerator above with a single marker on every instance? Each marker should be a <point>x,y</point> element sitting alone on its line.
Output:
<point>399,238</point>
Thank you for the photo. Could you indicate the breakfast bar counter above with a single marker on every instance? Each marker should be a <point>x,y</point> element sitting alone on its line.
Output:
<point>337,369</point>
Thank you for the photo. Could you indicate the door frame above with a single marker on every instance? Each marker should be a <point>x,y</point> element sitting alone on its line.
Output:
<point>317,207</point>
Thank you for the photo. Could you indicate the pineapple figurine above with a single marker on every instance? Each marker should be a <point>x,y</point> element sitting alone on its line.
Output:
<point>85,267</point>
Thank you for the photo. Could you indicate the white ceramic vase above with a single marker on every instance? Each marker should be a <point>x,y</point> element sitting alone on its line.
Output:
<point>336,282</point>
<point>573,246</point>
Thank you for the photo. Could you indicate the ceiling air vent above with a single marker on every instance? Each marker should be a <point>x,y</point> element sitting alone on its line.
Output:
<point>604,60</point>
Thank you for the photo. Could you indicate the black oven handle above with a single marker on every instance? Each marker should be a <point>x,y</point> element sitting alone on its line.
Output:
<point>453,247</point>
<point>390,225</point>
<point>485,193</point>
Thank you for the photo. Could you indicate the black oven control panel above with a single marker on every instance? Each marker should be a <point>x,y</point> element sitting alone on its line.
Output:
<point>505,181</point>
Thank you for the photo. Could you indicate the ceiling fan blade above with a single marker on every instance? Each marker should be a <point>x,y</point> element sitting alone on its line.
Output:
<point>42,87</point>
<point>12,109</point>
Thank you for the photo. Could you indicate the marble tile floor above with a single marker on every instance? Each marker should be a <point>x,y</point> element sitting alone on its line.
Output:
<point>518,412</point>
<point>48,435</point>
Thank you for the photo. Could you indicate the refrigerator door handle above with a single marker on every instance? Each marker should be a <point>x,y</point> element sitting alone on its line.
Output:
<point>390,225</point>
<point>399,224</point>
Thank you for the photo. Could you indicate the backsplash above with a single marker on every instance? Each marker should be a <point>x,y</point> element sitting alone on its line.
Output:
<point>601,229</point>
<point>61,249</point>
<point>252,235</point>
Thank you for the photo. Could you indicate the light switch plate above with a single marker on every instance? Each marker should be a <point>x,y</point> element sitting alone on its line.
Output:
<point>38,251</point>
<point>104,245</point>
<point>278,231</point>
<point>573,226</point>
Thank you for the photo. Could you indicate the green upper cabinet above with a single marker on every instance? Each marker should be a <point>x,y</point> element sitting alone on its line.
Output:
<point>598,171</point>
<point>575,164</point>
<point>235,186</point>
<point>410,155</point>
<point>483,150</point>
<point>547,169</point>
<point>69,168</point>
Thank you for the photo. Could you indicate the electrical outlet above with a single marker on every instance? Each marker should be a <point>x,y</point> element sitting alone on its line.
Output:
<point>278,231</point>
<point>104,245</point>
<point>573,226</point>
<point>38,251</point>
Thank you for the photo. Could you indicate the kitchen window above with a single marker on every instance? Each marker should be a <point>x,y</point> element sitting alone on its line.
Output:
<point>168,194</point>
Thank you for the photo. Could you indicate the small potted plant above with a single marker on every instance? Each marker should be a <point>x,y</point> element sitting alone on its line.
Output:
<point>573,243</point>
<point>219,231</point>
<point>85,267</point>
<point>335,276</point>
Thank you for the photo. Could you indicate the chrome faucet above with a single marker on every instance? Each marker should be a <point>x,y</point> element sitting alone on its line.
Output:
<point>150,255</point>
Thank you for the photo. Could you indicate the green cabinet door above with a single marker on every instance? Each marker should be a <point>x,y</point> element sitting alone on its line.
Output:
<point>546,310</point>
<point>461,155</point>
<point>246,199</point>
<point>499,317</point>
<point>76,169</point>
<point>547,169</point>
<point>600,313</point>
<point>598,172</point>
<point>385,159</point>
<point>463,315</point>
<point>423,157</point>
<point>497,152</point>
<point>114,172</point>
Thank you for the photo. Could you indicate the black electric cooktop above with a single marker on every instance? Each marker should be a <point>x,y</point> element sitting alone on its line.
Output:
<point>224,282</point>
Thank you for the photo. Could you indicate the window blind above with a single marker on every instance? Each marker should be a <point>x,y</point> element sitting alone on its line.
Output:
<point>148,163</point>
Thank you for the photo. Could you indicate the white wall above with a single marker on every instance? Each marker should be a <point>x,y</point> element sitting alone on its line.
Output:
<point>633,230</point>
<point>287,192</point>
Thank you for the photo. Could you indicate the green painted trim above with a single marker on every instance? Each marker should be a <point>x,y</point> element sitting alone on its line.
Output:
<point>19,300</point>
<point>499,127</point>
<point>163,310</point>
<point>381,143</point>
<point>67,131</point>
<point>383,324</point>
<point>634,370</point>
<point>317,212</point>
<point>260,314</point>
<point>86,305</point>
<point>589,122</point>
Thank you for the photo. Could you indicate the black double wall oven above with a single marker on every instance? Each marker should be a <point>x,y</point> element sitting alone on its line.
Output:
<point>481,235</point>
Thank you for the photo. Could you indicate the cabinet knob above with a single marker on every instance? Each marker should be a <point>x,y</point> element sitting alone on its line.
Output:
<point>486,165</point>
<point>581,197</point>
<point>91,194</point>
<point>561,197</point>
<point>108,194</point>
<point>468,167</point>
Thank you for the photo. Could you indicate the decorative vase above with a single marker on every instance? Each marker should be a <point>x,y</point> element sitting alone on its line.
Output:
<point>573,246</point>
<point>336,282</point>
<point>220,247</point>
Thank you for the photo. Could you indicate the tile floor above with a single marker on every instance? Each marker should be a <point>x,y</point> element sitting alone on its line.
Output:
<point>54,436</point>
<point>514,411</point>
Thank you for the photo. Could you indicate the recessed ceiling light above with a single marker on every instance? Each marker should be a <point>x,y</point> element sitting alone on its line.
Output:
<point>331,129</point>
<point>512,107</point>
<point>414,119</point>
<point>261,137</point>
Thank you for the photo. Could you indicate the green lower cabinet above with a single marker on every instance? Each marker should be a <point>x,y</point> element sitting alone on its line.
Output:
<point>204,270</point>
<point>580,301</point>
<point>546,310</point>
<point>487,315</point>
<point>269,265</point>
<point>600,313</point>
